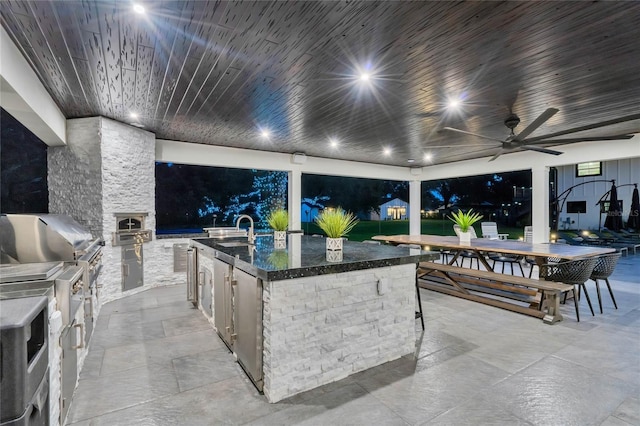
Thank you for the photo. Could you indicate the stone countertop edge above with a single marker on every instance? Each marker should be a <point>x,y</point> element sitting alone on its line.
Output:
<point>175,236</point>
<point>228,255</point>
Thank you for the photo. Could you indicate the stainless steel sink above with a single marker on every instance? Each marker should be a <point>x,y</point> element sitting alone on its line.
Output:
<point>235,244</point>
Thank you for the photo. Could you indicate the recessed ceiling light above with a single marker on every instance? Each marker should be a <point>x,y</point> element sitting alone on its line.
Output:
<point>265,133</point>
<point>411,160</point>
<point>364,77</point>
<point>138,8</point>
<point>454,103</point>
<point>333,142</point>
<point>387,151</point>
<point>427,157</point>
<point>133,115</point>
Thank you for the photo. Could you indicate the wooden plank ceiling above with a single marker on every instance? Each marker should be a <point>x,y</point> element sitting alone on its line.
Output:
<point>215,72</point>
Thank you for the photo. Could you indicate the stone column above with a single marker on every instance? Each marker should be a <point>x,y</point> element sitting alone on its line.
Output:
<point>108,167</point>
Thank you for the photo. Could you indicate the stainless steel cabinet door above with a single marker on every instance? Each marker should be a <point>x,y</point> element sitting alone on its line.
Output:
<point>132,258</point>
<point>205,296</point>
<point>222,300</point>
<point>69,368</point>
<point>247,322</point>
<point>192,279</point>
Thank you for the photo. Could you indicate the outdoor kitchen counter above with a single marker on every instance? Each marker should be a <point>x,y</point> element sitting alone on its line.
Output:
<point>305,256</point>
<point>296,321</point>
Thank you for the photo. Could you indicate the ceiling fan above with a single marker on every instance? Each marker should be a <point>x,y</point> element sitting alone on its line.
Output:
<point>521,141</point>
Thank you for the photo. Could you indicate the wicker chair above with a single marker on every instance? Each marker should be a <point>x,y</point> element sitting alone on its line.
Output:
<point>575,272</point>
<point>602,271</point>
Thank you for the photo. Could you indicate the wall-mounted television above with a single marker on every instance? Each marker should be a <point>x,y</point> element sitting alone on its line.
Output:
<point>576,206</point>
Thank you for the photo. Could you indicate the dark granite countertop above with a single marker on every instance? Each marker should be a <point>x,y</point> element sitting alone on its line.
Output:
<point>306,256</point>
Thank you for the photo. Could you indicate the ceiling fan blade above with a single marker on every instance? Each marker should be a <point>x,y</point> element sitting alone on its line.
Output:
<point>587,127</point>
<point>475,145</point>
<point>502,151</point>
<point>451,129</point>
<point>542,118</point>
<point>586,139</point>
<point>539,149</point>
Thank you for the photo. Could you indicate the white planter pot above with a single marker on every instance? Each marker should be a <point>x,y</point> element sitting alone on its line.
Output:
<point>334,244</point>
<point>280,235</point>
<point>465,238</point>
<point>334,255</point>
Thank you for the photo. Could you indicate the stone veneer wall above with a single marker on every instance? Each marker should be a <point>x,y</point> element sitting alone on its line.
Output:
<point>106,168</point>
<point>74,174</point>
<point>321,329</point>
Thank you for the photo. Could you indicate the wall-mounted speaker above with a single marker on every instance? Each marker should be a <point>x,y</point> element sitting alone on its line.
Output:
<point>298,158</point>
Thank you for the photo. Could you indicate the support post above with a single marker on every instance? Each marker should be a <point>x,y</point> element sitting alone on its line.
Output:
<point>294,185</point>
<point>414,207</point>
<point>540,204</point>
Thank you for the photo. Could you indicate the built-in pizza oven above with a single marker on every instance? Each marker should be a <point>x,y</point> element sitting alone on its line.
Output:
<point>130,229</point>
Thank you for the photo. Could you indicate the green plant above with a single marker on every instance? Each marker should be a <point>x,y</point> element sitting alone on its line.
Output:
<point>278,219</point>
<point>465,220</point>
<point>336,222</point>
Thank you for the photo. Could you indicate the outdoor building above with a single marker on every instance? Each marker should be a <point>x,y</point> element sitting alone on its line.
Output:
<point>582,207</point>
<point>395,209</point>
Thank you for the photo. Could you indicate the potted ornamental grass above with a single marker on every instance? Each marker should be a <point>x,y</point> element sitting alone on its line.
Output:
<point>335,223</point>
<point>465,221</point>
<point>278,220</point>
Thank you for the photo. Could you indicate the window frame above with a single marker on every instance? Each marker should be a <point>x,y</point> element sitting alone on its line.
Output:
<point>588,166</point>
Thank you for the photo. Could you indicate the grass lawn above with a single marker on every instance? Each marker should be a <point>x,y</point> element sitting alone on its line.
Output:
<point>366,229</point>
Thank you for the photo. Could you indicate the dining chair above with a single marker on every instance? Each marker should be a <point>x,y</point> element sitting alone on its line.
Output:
<point>466,254</point>
<point>575,272</point>
<point>602,271</point>
<point>528,238</point>
<point>490,230</point>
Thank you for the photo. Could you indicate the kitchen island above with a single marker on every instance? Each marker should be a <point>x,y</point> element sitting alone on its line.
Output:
<point>296,321</point>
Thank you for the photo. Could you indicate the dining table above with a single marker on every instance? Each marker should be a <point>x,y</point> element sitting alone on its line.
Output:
<point>541,252</point>
<point>534,297</point>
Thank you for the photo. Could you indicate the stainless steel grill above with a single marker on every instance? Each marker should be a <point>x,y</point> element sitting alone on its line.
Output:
<point>42,238</point>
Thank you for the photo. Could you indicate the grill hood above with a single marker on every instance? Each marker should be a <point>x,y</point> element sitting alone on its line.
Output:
<point>31,238</point>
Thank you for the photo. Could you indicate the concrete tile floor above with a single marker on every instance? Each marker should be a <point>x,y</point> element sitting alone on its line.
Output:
<point>154,360</point>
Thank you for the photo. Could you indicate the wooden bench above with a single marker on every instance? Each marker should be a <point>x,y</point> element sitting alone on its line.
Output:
<point>519,294</point>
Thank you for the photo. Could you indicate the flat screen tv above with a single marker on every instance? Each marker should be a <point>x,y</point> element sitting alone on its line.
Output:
<point>576,206</point>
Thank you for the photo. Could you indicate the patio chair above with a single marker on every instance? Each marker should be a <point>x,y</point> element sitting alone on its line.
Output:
<point>528,238</point>
<point>616,241</point>
<point>490,230</point>
<point>466,254</point>
<point>602,271</point>
<point>623,246</point>
<point>575,272</point>
<point>628,234</point>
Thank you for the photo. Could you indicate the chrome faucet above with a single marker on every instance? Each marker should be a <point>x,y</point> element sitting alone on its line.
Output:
<point>252,236</point>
